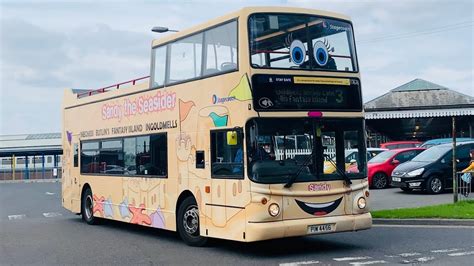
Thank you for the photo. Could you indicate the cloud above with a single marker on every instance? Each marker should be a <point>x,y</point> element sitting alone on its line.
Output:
<point>47,46</point>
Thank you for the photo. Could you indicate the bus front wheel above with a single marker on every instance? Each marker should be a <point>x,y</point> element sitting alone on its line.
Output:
<point>87,207</point>
<point>188,223</point>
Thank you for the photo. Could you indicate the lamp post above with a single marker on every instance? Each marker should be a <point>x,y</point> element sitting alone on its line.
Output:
<point>159,29</point>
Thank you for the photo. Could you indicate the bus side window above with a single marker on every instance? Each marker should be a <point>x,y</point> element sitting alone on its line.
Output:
<point>226,156</point>
<point>76,155</point>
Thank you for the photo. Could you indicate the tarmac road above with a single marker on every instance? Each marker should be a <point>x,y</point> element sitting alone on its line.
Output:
<point>44,233</point>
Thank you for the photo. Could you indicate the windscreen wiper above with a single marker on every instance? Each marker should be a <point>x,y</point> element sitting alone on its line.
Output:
<point>298,172</point>
<point>341,173</point>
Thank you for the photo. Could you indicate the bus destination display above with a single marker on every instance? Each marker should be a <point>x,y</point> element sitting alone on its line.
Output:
<point>305,93</point>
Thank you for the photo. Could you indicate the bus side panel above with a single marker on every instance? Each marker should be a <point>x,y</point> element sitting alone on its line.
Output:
<point>70,176</point>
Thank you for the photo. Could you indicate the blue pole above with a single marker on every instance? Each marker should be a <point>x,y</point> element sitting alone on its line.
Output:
<point>42,163</point>
<point>27,171</point>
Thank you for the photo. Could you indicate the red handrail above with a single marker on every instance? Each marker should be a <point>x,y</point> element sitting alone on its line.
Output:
<point>101,90</point>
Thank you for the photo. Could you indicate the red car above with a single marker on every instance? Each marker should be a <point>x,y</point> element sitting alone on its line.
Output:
<point>400,144</point>
<point>381,166</point>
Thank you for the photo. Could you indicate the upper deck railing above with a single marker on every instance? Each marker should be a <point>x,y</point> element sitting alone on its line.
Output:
<point>105,89</point>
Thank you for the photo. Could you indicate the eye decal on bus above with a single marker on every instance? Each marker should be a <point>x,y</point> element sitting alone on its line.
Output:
<point>319,209</point>
<point>321,53</point>
<point>297,52</point>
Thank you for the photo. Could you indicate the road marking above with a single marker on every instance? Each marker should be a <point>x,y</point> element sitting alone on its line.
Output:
<point>445,250</point>
<point>50,193</point>
<point>424,226</point>
<point>461,253</point>
<point>51,214</point>
<point>351,258</point>
<point>422,259</point>
<point>409,254</point>
<point>300,263</point>
<point>16,217</point>
<point>368,262</point>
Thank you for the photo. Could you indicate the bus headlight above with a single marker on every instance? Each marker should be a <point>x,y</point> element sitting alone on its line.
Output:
<point>274,210</point>
<point>361,203</point>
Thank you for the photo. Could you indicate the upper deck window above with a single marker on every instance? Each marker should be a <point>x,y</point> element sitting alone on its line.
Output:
<point>203,54</point>
<point>294,41</point>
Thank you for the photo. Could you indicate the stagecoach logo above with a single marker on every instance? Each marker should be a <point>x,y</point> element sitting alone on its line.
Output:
<point>216,99</point>
<point>264,102</point>
<point>319,187</point>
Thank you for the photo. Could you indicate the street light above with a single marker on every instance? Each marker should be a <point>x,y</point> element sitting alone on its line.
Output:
<point>159,29</point>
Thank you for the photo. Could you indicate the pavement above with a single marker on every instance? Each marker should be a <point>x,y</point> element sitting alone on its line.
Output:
<point>393,198</point>
<point>35,229</point>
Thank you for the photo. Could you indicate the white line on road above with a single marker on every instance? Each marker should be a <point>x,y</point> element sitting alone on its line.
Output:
<point>300,263</point>
<point>351,258</point>
<point>422,259</point>
<point>50,193</point>
<point>409,254</point>
<point>51,214</point>
<point>368,262</point>
<point>445,250</point>
<point>461,253</point>
<point>16,217</point>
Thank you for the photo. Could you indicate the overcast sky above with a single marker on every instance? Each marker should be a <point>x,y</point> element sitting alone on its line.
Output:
<point>46,46</point>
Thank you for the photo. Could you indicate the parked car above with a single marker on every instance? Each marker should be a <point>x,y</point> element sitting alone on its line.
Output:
<point>430,143</point>
<point>400,144</point>
<point>432,169</point>
<point>379,168</point>
<point>351,158</point>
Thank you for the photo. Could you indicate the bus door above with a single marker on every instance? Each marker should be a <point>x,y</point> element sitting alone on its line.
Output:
<point>228,195</point>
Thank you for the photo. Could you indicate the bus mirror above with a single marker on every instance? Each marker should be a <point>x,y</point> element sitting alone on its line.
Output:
<point>231,138</point>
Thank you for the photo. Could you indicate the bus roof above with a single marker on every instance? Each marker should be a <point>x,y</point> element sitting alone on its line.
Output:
<point>245,12</point>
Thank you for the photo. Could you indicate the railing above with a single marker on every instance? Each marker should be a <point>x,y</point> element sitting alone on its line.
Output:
<point>291,153</point>
<point>465,186</point>
<point>115,86</point>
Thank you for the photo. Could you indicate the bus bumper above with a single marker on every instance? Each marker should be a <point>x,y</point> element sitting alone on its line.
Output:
<point>256,231</point>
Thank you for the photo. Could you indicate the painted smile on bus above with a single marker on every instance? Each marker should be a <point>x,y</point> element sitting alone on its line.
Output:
<point>319,209</point>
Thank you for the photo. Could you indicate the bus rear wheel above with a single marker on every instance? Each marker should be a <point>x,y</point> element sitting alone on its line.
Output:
<point>188,223</point>
<point>87,207</point>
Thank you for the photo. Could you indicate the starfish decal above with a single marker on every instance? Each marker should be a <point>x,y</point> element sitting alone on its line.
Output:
<point>98,205</point>
<point>137,216</point>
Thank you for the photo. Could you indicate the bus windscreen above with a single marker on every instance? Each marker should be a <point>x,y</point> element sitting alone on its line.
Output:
<point>294,41</point>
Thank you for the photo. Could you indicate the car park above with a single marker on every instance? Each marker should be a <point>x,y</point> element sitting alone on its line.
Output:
<point>381,166</point>
<point>351,159</point>
<point>432,170</point>
<point>400,144</point>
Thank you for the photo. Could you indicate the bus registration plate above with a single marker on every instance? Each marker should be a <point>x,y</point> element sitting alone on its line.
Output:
<point>321,228</point>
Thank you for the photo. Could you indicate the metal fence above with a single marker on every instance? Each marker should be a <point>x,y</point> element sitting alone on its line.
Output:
<point>22,174</point>
<point>281,154</point>
<point>465,186</point>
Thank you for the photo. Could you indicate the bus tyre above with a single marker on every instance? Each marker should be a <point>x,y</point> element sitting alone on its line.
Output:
<point>379,180</point>
<point>188,223</point>
<point>87,207</point>
<point>434,185</point>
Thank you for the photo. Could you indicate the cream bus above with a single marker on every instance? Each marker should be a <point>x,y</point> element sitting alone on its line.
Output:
<point>228,136</point>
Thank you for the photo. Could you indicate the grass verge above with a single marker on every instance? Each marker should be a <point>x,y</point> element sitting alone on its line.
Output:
<point>460,210</point>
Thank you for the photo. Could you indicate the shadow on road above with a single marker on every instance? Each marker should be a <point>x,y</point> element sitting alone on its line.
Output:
<point>277,248</point>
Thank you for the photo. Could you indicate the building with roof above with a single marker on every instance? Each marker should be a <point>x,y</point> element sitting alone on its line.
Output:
<point>30,156</point>
<point>418,110</point>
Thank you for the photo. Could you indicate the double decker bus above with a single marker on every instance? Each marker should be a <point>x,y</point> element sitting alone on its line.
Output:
<point>228,136</point>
